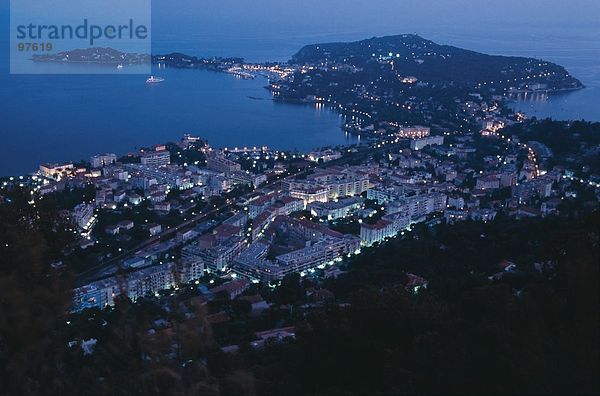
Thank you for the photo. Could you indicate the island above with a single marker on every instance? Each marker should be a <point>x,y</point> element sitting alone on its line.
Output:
<point>96,55</point>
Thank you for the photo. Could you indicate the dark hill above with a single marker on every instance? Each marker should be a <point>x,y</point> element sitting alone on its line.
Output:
<point>435,63</point>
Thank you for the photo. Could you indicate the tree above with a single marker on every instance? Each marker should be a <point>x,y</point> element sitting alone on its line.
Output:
<point>241,307</point>
<point>34,298</point>
<point>290,291</point>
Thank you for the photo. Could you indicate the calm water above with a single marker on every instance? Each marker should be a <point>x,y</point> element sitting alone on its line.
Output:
<point>70,117</point>
<point>53,118</point>
<point>577,50</point>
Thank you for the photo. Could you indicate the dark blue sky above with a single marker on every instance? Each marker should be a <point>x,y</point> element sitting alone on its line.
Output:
<point>276,26</point>
<point>373,16</point>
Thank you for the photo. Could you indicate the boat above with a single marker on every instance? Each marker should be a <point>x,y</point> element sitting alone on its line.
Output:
<point>154,80</point>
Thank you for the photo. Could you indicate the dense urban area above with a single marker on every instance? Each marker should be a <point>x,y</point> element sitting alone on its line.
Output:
<point>454,249</point>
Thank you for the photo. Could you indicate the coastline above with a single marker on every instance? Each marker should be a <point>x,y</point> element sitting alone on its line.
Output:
<point>113,116</point>
<point>222,65</point>
<point>555,91</point>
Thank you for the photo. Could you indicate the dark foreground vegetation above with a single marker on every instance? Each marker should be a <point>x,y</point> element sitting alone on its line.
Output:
<point>476,328</point>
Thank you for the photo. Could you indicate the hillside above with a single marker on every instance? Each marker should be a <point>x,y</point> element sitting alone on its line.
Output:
<point>415,56</point>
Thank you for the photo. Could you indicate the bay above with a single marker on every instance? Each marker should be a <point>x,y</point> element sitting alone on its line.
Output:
<point>48,118</point>
<point>70,117</point>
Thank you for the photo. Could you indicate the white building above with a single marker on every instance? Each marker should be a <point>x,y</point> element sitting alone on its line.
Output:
<point>335,185</point>
<point>389,226</point>
<point>217,161</point>
<point>102,160</point>
<point>251,179</point>
<point>414,132</point>
<point>83,216</point>
<point>136,284</point>
<point>371,233</point>
<point>218,256</point>
<point>337,209</point>
<point>322,246</point>
<point>260,204</point>
<point>487,183</point>
<point>145,176</point>
<point>383,195</point>
<point>156,158</point>
<point>541,187</point>
<point>192,269</point>
<point>421,143</point>
<point>309,195</point>
<point>453,215</point>
<point>154,229</point>
<point>56,171</point>
<point>456,202</point>
<point>324,156</point>
<point>418,206</point>
<point>151,280</point>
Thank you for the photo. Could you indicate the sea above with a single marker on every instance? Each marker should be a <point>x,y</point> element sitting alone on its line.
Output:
<point>53,118</point>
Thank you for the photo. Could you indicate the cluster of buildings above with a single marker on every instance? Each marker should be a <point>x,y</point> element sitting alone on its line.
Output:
<point>148,177</point>
<point>271,236</point>
<point>136,284</point>
<point>264,209</point>
<point>216,249</point>
<point>492,125</point>
<point>217,161</point>
<point>293,246</point>
<point>413,132</point>
<point>401,212</point>
<point>329,184</point>
<point>540,187</point>
<point>337,209</point>
<point>324,155</point>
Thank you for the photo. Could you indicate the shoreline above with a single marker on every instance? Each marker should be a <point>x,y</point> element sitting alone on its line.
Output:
<point>219,65</point>
<point>557,91</point>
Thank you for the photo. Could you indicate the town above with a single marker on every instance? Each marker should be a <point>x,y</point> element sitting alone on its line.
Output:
<point>179,214</point>
<point>233,228</point>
